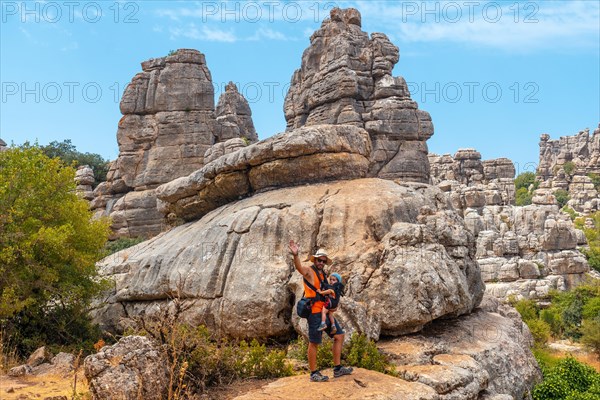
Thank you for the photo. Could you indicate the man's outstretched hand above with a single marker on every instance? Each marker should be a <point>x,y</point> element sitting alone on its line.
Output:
<point>293,246</point>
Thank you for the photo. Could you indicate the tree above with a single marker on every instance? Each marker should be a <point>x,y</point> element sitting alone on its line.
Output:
<point>48,249</point>
<point>68,153</point>
<point>523,197</point>
<point>562,197</point>
<point>524,180</point>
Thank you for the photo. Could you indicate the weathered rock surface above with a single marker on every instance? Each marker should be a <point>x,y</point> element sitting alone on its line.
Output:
<point>346,78</point>
<point>132,369</point>
<point>471,182</point>
<point>84,178</point>
<point>567,163</point>
<point>478,356</point>
<point>169,122</point>
<point>407,256</point>
<point>307,155</point>
<point>3,145</point>
<point>362,384</point>
<point>522,251</point>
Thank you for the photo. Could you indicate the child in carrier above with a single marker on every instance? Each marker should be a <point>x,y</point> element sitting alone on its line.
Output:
<point>332,292</point>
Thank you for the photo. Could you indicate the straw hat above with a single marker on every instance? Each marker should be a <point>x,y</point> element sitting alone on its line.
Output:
<point>321,253</point>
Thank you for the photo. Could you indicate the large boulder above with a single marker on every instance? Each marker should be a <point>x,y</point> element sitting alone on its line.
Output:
<point>134,368</point>
<point>346,78</point>
<point>306,155</point>
<point>407,257</point>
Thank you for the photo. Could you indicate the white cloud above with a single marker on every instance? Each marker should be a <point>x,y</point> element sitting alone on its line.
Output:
<point>516,27</point>
<point>191,31</point>
<point>266,33</point>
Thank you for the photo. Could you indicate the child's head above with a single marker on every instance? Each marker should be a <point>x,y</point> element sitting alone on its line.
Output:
<point>335,278</point>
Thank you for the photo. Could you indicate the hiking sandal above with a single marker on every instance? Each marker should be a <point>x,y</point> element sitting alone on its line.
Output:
<point>318,377</point>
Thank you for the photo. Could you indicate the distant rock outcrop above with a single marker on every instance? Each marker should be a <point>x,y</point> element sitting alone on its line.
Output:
<point>522,251</point>
<point>2,145</point>
<point>568,164</point>
<point>346,78</point>
<point>84,178</point>
<point>169,122</point>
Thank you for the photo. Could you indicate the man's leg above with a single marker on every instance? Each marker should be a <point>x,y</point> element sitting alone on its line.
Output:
<point>338,342</point>
<point>312,356</point>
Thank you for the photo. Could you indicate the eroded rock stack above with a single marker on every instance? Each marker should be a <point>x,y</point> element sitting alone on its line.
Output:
<point>84,178</point>
<point>522,251</point>
<point>570,163</point>
<point>346,78</point>
<point>169,122</point>
<point>472,183</point>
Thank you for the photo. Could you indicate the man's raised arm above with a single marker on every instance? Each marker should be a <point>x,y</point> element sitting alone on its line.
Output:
<point>304,270</point>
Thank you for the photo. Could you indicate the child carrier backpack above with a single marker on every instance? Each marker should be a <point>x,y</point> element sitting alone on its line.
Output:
<point>304,306</point>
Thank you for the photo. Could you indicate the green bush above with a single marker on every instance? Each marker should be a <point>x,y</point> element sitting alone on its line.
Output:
<point>121,244</point>
<point>562,197</point>
<point>524,180</point>
<point>595,180</point>
<point>569,168</point>
<point>528,309</point>
<point>523,197</point>
<point>363,353</point>
<point>572,213</point>
<point>568,379</point>
<point>539,330</point>
<point>590,334</point>
<point>197,361</point>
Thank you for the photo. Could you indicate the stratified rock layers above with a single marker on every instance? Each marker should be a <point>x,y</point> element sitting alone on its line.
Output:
<point>169,122</point>
<point>407,257</point>
<point>346,78</point>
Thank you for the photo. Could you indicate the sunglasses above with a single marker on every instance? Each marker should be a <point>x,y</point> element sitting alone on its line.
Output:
<point>320,260</point>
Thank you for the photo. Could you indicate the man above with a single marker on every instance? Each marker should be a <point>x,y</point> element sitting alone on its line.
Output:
<point>314,274</point>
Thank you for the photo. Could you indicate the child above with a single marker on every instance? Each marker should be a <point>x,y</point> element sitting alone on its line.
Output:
<point>333,292</point>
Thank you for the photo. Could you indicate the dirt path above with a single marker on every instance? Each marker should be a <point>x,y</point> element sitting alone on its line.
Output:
<point>40,387</point>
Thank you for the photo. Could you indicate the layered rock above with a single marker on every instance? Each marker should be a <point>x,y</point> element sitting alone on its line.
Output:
<point>133,368</point>
<point>169,123</point>
<point>568,164</point>
<point>522,251</point>
<point>307,155</point>
<point>473,183</point>
<point>346,78</point>
<point>84,178</point>
<point>407,257</point>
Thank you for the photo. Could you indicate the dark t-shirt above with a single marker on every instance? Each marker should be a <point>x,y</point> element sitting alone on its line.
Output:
<point>338,288</point>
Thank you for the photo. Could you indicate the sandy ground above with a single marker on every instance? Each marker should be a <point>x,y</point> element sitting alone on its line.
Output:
<point>41,387</point>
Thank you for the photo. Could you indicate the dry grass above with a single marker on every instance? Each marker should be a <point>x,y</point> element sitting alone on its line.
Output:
<point>586,358</point>
<point>39,387</point>
<point>8,353</point>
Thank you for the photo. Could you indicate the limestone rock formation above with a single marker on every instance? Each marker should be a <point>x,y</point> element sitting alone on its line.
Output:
<point>169,122</point>
<point>306,155</point>
<point>471,182</point>
<point>84,178</point>
<point>568,164</point>
<point>522,251</point>
<point>133,368</point>
<point>468,358</point>
<point>407,256</point>
<point>3,145</point>
<point>472,357</point>
<point>346,78</point>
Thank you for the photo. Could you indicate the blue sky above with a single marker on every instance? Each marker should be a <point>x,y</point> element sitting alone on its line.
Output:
<point>493,74</point>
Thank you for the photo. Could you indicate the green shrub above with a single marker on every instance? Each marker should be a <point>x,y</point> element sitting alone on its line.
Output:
<point>197,361</point>
<point>569,168</point>
<point>552,317</point>
<point>572,213</point>
<point>595,180</point>
<point>562,197</point>
<point>523,197</point>
<point>121,244</point>
<point>524,180</point>
<point>590,334</point>
<point>539,330</point>
<point>528,309</point>
<point>363,353</point>
<point>568,379</point>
